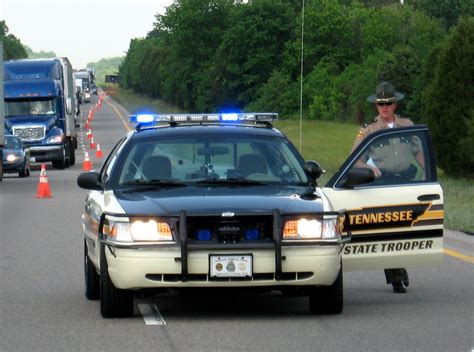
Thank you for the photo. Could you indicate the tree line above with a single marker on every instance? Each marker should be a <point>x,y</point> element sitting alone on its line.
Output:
<point>212,55</point>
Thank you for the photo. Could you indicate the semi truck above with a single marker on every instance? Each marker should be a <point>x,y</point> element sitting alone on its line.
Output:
<point>40,108</point>
<point>87,77</point>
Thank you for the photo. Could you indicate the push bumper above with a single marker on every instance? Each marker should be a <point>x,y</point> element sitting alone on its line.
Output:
<point>142,268</point>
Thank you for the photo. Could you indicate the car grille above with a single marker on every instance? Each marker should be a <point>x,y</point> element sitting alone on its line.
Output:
<point>238,229</point>
<point>30,133</point>
<point>289,276</point>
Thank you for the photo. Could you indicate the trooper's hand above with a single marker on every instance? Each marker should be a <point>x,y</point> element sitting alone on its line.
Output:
<point>376,171</point>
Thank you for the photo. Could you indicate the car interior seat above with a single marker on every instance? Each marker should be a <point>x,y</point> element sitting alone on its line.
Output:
<point>156,167</point>
<point>252,164</point>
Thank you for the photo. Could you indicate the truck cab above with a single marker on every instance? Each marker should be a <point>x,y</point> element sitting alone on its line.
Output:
<point>40,109</point>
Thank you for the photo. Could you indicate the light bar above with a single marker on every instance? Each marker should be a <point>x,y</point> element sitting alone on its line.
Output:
<point>149,119</point>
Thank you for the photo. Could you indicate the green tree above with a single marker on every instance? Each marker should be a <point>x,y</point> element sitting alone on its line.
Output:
<point>40,54</point>
<point>103,67</point>
<point>12,47</point>
<point>279,93</point>
<point>356,83</point>
<point>251,49</point>
<point>328,34</point>
<point>192,31</point>
<point>448,11</point>
<point>448,101</point>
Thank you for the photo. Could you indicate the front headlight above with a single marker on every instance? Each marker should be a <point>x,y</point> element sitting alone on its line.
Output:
<point>136,230</point>
<point>12,157</point>
<point>150,230</point>
<point>311,229</point>
<point>55,139</point>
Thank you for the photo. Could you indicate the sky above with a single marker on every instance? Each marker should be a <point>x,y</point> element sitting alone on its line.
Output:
<point>82,30</point>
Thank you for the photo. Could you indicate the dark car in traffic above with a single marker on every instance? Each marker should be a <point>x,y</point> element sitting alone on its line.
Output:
<point>16,158</point>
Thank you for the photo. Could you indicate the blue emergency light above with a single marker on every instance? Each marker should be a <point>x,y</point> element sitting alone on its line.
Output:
<point>204,235</point>
<point>151,119</point>
<point>252,234</point>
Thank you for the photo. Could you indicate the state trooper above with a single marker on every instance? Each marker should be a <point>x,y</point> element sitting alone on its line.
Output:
<point>391,161</point>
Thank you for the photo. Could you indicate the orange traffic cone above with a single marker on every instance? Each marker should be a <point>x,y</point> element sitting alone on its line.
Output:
<point>87,164</point>
<point>87,124</point>
<point>92,143</point>
<point>98,152</point>
<point>43,186</point>
<point>89,134</point>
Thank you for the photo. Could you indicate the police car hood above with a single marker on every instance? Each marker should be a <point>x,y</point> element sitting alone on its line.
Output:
<point>215,200</point>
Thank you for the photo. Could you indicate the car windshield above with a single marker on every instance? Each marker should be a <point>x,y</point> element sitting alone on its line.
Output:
<point>30,107</point>
<point>211,160</point>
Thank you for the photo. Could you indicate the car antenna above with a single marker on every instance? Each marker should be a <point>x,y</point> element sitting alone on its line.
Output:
<point>301,76</point>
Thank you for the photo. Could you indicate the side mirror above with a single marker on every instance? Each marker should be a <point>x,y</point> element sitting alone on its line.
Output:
<point>90,181</point>
<point>359,176</point>
<point>313,169</point>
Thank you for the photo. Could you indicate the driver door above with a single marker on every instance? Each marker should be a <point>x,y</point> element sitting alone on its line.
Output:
<point>396,219</point>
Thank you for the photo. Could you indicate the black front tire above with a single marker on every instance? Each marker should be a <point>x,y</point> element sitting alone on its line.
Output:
<point>327,299</point>
<point>24,170</point>
<point>92,279</point>
<point>114,302</point>
<point>72,154</point>
<point>60,164</point>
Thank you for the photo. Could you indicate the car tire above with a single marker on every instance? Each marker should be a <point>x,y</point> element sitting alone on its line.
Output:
<point>72,154</point>
<point>327,299</point>
<point>114,302</point>
<point>92,279</point>
<point>23,171</point>
<point>67,153</point>
<point>60,164</point>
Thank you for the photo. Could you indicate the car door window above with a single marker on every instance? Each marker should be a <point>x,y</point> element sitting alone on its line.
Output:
<point>395,159</point>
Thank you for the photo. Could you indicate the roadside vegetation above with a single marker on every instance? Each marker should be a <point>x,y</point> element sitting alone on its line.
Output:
<point>330,143</point>
<point>248,56</point>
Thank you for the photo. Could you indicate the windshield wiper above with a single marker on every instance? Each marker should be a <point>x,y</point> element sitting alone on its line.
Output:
<point>144,185</point>
<point>232,181</point>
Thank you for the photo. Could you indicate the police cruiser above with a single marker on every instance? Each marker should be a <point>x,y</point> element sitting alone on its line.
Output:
<point>227,201</point>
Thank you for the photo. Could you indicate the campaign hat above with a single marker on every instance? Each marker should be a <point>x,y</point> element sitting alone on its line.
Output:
<point>385,93</point>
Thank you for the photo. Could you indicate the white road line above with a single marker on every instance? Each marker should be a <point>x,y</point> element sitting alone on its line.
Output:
<point>150,313</point>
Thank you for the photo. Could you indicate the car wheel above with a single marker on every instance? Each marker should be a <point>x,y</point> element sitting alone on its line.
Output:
<point>61,163</point>
<point>23,171</point>
<point>327,299</point>
<point>92,279</point>
<point>67,153</point>
<point>114,302</point>
<point>72,154</point>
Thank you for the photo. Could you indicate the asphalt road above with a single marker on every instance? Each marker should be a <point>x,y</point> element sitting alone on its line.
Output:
<point>43,308</point>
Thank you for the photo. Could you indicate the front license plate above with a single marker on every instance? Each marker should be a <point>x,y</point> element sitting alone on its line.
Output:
<point>230,265</point>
